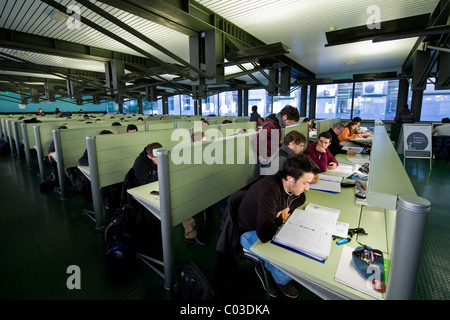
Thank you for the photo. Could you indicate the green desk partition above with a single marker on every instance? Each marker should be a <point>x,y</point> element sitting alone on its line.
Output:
<point>192,177</point>
<point>387,177</point>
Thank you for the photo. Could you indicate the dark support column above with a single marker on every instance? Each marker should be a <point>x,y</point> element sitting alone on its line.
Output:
<point>303,100</point>
<point>416,104</point>
<point>402,99</point>
<point>239,103</point>
<point>312,101</point>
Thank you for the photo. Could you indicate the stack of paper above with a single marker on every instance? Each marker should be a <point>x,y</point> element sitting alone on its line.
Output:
<point>309,231</point>
<point>327,183</point>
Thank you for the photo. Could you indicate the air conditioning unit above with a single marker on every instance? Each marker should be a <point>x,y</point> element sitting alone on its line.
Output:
<point>374,89</point>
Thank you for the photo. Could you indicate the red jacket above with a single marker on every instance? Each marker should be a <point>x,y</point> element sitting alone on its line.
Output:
<point>265,135</point>
<point>321,159</point>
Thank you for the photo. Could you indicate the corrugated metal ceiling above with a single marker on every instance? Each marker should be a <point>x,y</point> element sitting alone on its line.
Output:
<point>299,24</point>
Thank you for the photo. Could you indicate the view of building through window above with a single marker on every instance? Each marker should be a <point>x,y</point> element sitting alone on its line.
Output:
<point>369,100</point>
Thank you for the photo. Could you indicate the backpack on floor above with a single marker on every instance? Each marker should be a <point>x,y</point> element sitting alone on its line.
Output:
<point>190,283</point>
<point>119,235</point>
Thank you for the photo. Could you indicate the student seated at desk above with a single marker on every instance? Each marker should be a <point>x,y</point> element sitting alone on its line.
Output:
<point>443,129</point>
<point>310,124</point>
<point>266,205</point>
<point>335,147</point>
<point>349,132</point>
<point>319,153</point>
<point>132,128</point>
<point>293,144</point>
<point>145,169</point>
<point>288,116</point>
<point>84,185</point>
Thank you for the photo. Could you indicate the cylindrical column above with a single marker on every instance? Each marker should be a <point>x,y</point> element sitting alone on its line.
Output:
<point>410,224</point>
<point>166,216</point>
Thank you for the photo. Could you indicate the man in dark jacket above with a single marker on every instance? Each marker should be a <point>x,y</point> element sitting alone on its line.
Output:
<point>145,166</point>
<point>146,170</point>
<point>335,147</point>
<point>267,204</point>
<point>405,115</point>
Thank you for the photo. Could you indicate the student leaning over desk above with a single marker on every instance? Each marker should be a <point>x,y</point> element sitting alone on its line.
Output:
<point>349,132</point>
<point>146,170</point>
<point>267,204</point>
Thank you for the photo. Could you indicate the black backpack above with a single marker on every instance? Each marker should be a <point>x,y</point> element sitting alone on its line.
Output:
<point>119,235</point>
<point>191,284</point>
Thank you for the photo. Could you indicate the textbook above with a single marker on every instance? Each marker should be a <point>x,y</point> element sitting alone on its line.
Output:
<point>309,231</point>
<point>327,183</point>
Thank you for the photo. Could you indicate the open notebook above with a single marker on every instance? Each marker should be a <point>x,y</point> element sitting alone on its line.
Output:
<point>309,232</point>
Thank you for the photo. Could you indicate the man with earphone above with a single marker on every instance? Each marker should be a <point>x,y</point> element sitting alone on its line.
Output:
<point>267,204</point>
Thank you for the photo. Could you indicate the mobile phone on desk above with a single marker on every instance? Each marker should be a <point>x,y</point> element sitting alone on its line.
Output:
<point>154,192</point>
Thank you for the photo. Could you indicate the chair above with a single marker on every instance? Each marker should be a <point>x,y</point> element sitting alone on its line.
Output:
<point>441,147</point>
<point>229,249</point>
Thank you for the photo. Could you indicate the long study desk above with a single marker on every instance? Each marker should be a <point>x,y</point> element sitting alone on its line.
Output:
<point>395,220</point>
<point>319,277</point>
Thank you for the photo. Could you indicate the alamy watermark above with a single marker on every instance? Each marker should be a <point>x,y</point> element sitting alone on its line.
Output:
<point>374,20</point>
<point>74,280</point>
<point>235,147</point>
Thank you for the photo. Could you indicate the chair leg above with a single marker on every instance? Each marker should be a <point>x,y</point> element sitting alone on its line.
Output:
<point>266,281</point>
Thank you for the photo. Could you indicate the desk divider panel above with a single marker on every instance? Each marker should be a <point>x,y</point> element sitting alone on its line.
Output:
<point>303,128</point>
<point>187,186</point>
<point>111,156</point>
<point>160,125</point>
<point>326,124</point>
<point>233,128</point>
<point>196,184</point>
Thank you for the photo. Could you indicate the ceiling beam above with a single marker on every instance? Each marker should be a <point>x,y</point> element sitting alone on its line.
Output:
<point>407,27</point>
<point>44,45</point>
<point>190,18</point>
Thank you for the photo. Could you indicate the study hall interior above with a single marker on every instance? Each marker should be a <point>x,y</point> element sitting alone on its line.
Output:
<point>216,60</point>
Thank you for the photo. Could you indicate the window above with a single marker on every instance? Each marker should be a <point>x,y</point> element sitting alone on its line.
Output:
<point>334,101</point>
<point>375,100</point>
<point>209,105</point>
<point>187,105</point>
<point>130,106</point>
<point>152,107</point>
<point>258,97</point>
<point>279,102</point>
<point>435,104</point>
<point>371,100</point>
<point>228,103</point>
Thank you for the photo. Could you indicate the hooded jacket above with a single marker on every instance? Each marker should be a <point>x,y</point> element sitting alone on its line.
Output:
<point>145,170</point>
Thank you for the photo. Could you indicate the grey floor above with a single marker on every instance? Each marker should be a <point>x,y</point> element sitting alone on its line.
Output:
<point>41,236</point>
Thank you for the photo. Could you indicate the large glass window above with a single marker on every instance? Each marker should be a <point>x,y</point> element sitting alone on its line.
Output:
<point>258,97</point>
<point>228,103</point>
<point>279,102</point>
<point>187,105</point>
<point>334,101</point>
<point>371,100</point>
<point>375,100</point>
<point>209,105</point>
<point>435,104</point>
<point>130,106</point>
<point>152,107</point>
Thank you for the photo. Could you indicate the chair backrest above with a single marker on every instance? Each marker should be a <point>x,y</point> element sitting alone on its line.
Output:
<point>234,201</point>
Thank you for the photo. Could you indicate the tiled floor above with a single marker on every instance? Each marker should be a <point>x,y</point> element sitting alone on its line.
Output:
<point>41,236</point>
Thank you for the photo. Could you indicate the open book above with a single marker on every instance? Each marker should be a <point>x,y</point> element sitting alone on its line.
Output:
<point>309,231</point>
